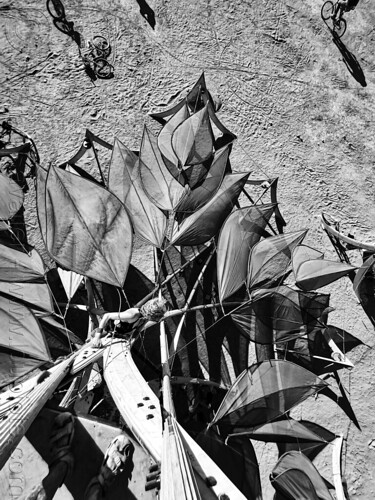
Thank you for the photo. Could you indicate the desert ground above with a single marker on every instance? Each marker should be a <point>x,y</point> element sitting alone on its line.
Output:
<point>301,105</point>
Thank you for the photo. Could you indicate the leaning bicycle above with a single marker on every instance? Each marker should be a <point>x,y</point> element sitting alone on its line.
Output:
<point>95,60</point>
<point>330,12</point>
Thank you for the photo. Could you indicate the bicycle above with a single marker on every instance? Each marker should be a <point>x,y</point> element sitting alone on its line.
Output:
<point>97,67</point>
<point>100,46</point>
<point>329,11</point>
<point>95,62</point>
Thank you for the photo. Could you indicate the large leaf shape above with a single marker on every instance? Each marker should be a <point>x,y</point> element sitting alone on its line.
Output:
<point>206,190</point>
<point>193,139</point>
<point>243,228</point>
<point>13,367</point>
<point>270,259</point>
<point>158,183</point>
<point>20,330</point>
<point>279,314</point>
<point>264,392</point>
<point>30,294</point>
<point>363,285</point>
<point>11,197</point>
<point>20,266</point>
<point>85,228</point>
<point>284,431</point>
<point>295,475</point>
<point>311,271</point>
<point>124,181</point>
<point>165,137</point>
<point>195,99</point>
<point>314,352</point>
<point>206,222</point>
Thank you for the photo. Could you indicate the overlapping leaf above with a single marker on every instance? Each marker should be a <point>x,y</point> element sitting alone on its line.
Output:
<point>85,228</point>
<point>296,476</point>
<point>20,266</point>
<point>148,220</point>
<point>311,271</point>
<point>158,183</point>
<point>314,353</point>
<point>21,331</point>
<point>202,194</point>
<point>193,139</point>
<point>30,294</point>
<point>206,222</point>
<point>165,140</point>
<point>283,431</point>
<point>13,367</point>
<point>279,314</point>
<point>264,392</point>
<point>270,259</point>
<point>242,229</point>
<point>195,100</point>
<point>11,197</point>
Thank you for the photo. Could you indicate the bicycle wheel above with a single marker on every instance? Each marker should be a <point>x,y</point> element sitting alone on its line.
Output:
<point>339,27</point>
<point>56,9</point>
<point>327,10</point>
<point>102,45</point>
<point>102,68</point>
<point>65,27</point>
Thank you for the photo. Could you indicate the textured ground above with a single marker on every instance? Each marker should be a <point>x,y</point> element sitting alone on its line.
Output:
<point>298,112</point>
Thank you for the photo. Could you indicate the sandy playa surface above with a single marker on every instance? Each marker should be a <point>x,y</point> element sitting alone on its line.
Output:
<point>300,113</point>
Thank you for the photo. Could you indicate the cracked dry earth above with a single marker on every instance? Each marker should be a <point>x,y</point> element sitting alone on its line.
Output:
<point>298,111</point>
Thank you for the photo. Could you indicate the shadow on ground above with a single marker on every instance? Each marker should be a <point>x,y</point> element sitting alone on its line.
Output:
<point>147,12</point>
<point>350,60</point>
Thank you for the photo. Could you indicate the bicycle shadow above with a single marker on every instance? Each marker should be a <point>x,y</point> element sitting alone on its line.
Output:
<point>147,12</point>
<point>350,60</point>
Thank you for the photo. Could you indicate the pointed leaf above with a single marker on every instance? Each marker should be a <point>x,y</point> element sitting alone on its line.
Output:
<point>158,183</point>
<point>196,173</point>
<point>206,222</point>
<point>242,229</point>
<point>165,135</point>
<point>30,294</point>
<point>270,259</point>
<point>193,139</point>
<point>124,181</point>
<point>279,314</point>
<point>20,266</point>
<point>314,352</point>
<point>265,392</point>
<point>85,228</point>
<point>20,330</point>
<point>303,253</point>
<point>201,194</point>
<point>295,475</point>
<point>311,271</point>
<point>283,431</point>
<point>195,99</point>
<point>310,449</point>
<point>13,367</point>
<point>366,270</point>
<point>11,197</point>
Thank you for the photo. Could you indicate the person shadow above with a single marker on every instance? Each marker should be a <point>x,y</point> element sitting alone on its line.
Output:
<point>350,60</point>
<point>147,12</point>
